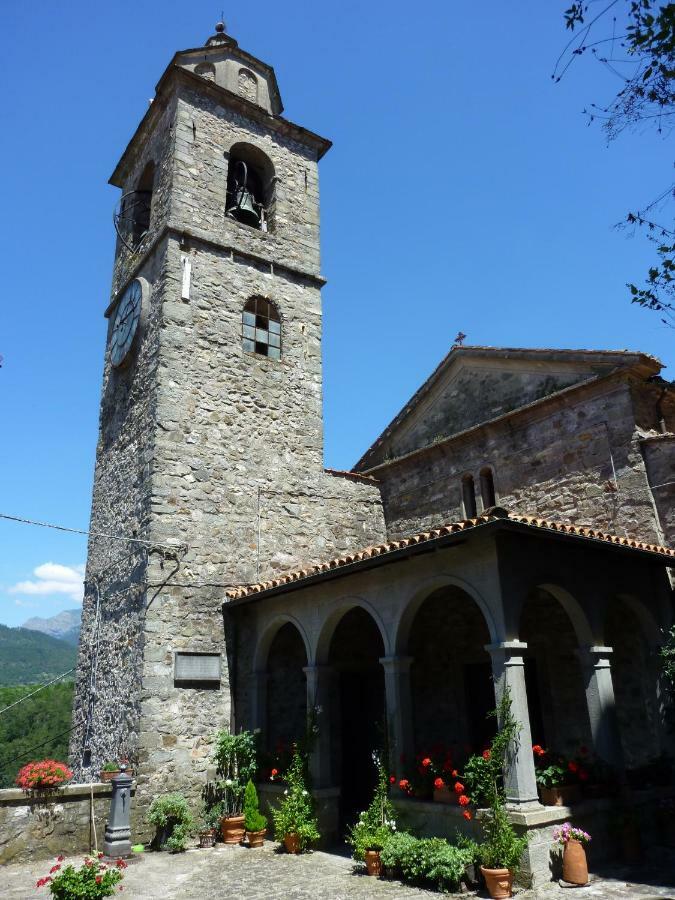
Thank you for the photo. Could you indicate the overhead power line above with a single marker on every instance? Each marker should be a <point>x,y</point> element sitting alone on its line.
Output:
<point>101,534</point>
<point>43,744</point>
<point>33,693</point>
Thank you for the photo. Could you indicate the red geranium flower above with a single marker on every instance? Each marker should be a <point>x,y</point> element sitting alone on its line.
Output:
<point>459,787</point>
<point>455,773</point>
<point>538,750</point>
<point>120,863</point>
<point>486,754</point>
<point>392,779</point>
<point>404,784</point>
<point>99,879</point>
<point>61,857</point>
<point>426,762</point>
<point>274,772</point>
<point>464,800</point>
<point>572,766</point>
<point>439,784</point>
<point>467,815</point>
<point>54,869</point>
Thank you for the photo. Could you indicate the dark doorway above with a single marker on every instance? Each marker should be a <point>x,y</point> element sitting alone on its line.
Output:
<point>355,653</point>
<point>480,701</point>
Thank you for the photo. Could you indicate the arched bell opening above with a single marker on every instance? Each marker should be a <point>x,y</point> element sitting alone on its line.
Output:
<point>359,712</point>
<point>250,187</point>
<point>286,696</point>
<point>634,681</point>
<point>451,682</point>
<point>554,679</point>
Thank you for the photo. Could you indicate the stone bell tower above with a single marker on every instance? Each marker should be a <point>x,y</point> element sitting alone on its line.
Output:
<point>209,466</point>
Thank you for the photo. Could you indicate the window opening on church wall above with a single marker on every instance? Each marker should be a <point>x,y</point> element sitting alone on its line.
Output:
<point>250,188</point>
<point>247,85</point>
<point>206,70</point>
<point>141,204</point>
<point>261,328</point>
<point>468,497</point>
<point>487,487</point>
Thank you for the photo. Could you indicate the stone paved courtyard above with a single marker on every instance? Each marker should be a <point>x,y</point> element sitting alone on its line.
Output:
<point>239,872</point>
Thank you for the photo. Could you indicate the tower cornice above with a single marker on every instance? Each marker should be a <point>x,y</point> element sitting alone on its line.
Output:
<point>176,76</point>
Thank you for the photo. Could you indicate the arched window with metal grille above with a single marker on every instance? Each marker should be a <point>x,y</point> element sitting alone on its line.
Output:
<point>261,328</point>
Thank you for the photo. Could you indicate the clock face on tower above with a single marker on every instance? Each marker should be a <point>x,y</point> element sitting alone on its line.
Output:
<point>126,323</point>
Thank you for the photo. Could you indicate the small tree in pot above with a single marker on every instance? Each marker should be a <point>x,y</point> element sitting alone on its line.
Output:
<point>502,848</point>
<point>236,765</point>
<point>375,826</point>
<point>254,821</point>
<point>294,820</point>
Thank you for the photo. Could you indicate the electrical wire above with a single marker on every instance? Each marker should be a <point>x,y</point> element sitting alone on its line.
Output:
<point>41,688</point>
<point>101,534</point>
<point>43,744</point>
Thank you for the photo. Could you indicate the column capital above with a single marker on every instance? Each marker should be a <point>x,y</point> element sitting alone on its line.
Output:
<point>595,656</point>
<point>396,664</point>
<point>511,652</point>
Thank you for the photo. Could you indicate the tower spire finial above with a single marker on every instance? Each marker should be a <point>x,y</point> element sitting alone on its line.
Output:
<point>220,37</point>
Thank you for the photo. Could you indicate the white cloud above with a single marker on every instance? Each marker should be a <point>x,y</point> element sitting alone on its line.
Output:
<point>53,578</point>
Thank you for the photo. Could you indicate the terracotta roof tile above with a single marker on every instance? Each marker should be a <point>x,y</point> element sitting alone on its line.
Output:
<point>496,513</point>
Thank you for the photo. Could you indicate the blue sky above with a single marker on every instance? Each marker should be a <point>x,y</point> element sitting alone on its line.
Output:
<point>465,191</point>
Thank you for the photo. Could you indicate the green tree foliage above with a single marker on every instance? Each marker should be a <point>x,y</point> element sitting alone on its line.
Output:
<point>33,723</point>
<point>30,657</point>
<point>634,39</point>
<point>253,818</point>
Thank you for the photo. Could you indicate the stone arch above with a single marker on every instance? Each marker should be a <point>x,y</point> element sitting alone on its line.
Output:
<point>269,632</point>
<point>206,70</point>
<point>332,620</point>
<point>632,633</point>
<point>428,586</point>
<point>444,632</point>
<point>251,186</point>
<point>555,627</point>
<point>286,658</point>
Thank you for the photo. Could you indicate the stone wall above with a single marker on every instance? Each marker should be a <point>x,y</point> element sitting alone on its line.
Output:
<point>31,829</point>
<point>659,455</point>
<point>555,461</point>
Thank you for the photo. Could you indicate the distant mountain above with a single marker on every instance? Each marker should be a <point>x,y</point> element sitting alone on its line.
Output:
<point>30,657</point>
<point>65,625</point>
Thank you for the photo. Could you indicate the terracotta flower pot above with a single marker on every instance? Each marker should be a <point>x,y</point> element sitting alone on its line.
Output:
<point>575,867</point>
<point>292,843</point>
<point>562,795</point>
<point>499,882</point>
<point>445,795</point>
<point>207,838</point>
<point>373,862</point>
<point>232,829</point>
<point>108,776</point>
<point>256,838</point>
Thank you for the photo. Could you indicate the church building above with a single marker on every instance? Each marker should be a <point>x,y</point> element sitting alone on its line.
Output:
<point>509,528</point>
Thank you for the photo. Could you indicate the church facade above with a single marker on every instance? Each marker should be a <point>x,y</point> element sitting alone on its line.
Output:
<point>513,519</point>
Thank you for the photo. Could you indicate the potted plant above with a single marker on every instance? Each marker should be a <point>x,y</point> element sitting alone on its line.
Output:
<point>94,879</point>
<point>173,822</point>
<point>211,815</point>
<point>294,820</point>
<point>573,841</point>
<point>110,769</point>
<point>236,765</point>
<point>501,848</point>
<point>555,778</point>
<point>44,777</point>
<point>375,825</point>
<point>254,821</point>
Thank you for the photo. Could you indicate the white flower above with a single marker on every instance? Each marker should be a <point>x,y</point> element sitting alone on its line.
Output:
<point>285,792</point>
<point>256,731</point>
<point>304,793</point>
<point>228,782</point>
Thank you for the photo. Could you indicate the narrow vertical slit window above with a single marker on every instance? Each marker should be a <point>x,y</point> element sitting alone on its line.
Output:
<point>468,497</point>
<point>261,328</point>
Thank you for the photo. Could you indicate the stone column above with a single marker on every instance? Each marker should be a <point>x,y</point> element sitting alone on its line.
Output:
<point>595,666</point>
<point>399,709</point>
<point>323,701</point>
<point>508,669</point>
<point>259,689</point>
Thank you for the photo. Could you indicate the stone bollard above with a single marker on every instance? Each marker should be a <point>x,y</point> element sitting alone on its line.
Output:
<point>117,841</point>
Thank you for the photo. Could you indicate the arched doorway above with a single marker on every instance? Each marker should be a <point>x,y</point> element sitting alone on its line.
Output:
<point>556,695</point>
<point>355,651</point>
<point>450,678</point>
<point>634,680</point>
<point>286,695</point>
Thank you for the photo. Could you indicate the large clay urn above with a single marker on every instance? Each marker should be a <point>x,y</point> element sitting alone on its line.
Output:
<point>292,843</point>
<point>232,829</point>
<point>575,867</point>
<point>373,862</point>
<point>499,882</point>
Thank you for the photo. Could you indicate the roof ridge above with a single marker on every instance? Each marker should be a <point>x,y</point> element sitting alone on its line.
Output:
<point>490,515</point>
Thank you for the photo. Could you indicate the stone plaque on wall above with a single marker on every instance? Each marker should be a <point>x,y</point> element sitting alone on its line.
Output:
<point>197,667</point>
